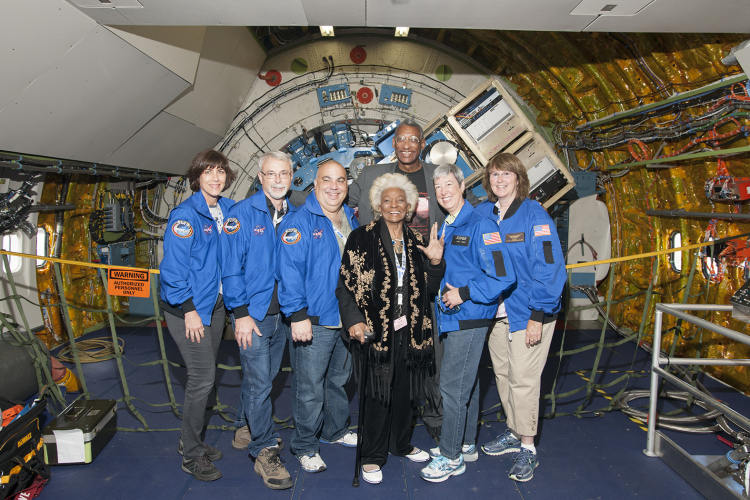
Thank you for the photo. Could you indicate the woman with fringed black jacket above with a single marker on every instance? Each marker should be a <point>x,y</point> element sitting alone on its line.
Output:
<point>387,276</point>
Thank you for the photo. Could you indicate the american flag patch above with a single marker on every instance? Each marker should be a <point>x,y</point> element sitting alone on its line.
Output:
<point>491,238</point>
<point>541,230</point>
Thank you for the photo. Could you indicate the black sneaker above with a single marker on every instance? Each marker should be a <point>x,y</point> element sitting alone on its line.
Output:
<point>212,453</point>
<point>201,468</point>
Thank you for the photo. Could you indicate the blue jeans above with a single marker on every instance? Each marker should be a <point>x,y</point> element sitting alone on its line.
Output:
<point>320,405</point>
<point>459,387</point>
<point>260,364</point>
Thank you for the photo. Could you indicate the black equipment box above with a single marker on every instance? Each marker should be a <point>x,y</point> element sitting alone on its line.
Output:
<point>97,419</point>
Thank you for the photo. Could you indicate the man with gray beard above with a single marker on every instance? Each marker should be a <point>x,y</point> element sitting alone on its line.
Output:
<point>251,293</point>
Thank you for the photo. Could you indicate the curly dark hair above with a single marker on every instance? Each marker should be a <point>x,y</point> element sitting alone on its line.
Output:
<point>206,160</point>
<point>509,163</point>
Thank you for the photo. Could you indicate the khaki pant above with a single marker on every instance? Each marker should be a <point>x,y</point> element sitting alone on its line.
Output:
<point>518,373</point>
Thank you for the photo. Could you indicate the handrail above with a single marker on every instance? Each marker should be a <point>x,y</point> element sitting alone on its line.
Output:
<point>569,266</point>
<point>657,359</point>
<point>71,262</point>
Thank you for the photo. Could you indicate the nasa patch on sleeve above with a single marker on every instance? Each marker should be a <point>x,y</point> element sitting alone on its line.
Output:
<point>182,229</point>
<point>291,236</point>
<point>231,225</point>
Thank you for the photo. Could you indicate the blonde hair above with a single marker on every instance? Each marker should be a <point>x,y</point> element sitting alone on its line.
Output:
<point>388,181</point>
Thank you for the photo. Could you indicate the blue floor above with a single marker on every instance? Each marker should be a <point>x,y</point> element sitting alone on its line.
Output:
<point>596,456</point>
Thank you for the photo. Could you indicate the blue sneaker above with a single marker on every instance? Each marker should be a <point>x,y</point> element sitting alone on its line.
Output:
<point>441,468</point>
<point>524,463</point>
<point>503,444</point>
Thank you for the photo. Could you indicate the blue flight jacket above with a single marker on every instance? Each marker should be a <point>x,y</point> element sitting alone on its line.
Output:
<point>531,238</point>
<point>308,263</point>
<point>478,264</point>
<point>248,248</point>
<point>191,267</point>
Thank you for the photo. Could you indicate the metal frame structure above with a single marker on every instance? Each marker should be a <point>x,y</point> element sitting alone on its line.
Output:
<point>658,445</point>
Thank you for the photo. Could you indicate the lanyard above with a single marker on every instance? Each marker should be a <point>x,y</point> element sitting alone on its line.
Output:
<point>442,235</point>
<point>338,233</point>
<point>278,216</point>
<point>401,268</point>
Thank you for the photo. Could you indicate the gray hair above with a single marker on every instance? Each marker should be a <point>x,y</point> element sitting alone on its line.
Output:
<point>446,169</point>
<point>410,122</point>
<point>387,181</point>
<point>276,155</point>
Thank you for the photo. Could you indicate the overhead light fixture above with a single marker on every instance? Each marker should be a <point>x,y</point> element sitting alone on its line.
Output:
<point>326,30</point>
<point>402,31</point>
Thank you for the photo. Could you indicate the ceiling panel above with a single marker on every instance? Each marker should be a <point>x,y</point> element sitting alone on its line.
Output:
<point>89,102</point>
<point>178,48</point>
<point>234,84</point>
<point>33,35</point>
<point>229,62</point>
<point>208,13</point>
<point>544,15</point>
<point>682,16</point>
<point>165,144</point>
<point>335,12</point>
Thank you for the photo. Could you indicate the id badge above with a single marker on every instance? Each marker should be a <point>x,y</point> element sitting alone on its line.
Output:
<point>399,323</point>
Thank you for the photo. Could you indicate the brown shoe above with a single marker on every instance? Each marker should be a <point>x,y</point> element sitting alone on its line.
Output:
<point>241,438</point>
<point>268,466</point>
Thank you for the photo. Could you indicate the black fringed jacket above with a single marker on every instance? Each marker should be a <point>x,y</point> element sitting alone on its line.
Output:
<point>366,294</point>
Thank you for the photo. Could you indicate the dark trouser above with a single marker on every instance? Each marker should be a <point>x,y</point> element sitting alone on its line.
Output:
<point>387,427</point>
<point>433,404</point>
<point>200,360</point>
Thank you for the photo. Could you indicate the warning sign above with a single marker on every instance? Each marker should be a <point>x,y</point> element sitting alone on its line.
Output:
<point>129,282</point>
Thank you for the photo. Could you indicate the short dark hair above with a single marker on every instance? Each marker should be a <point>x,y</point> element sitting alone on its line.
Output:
<point>207,160</point>
<point>410,122</point>
<point>506,162</point>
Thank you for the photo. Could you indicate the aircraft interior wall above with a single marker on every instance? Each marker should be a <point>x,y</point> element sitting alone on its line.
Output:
<point>580,92</point>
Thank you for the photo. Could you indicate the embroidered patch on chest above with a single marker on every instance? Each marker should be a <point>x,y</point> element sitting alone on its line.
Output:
<point>515,237</point>
<point>182,229</point>
<point>291,236</point>
<point>491,238</point>
<point>258,230</point>
<point>460,240</point>
<point>231,226</point>
<point>208,228</point>
<point>317,234</point>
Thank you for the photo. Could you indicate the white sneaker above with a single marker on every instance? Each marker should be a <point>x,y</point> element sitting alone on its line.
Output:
<point>312,462</point>
<point>418,455</point>
<point>349,439</point>
<point>374,476</point>
<point>469,452</point>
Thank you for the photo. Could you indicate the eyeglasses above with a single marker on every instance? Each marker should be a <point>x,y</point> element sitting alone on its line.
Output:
<point>413,139</point>
<point>273,175</point>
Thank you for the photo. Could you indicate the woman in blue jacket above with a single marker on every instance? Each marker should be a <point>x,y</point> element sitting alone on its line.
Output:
<point>478,269</point>
<point>190,284</point>
<point>520,339</point>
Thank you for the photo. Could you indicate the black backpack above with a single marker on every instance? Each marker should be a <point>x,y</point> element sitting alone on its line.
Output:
<point>21,450</point>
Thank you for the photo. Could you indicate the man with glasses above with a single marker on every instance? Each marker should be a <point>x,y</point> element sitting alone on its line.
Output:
<point>408,141</point>
<point>251,293</point>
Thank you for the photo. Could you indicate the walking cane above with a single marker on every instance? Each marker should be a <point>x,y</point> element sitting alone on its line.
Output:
<point>362,386</point>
